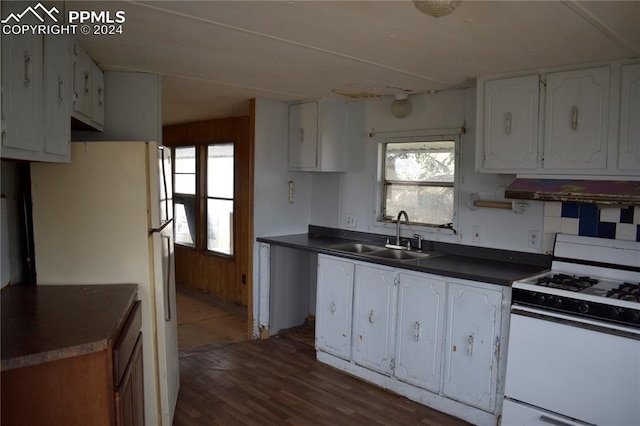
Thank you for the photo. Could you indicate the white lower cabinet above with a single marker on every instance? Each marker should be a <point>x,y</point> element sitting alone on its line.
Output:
<point>433,339</point>
<point>472,344</point>
<point>334,306</point>
<point>420,335</point>
<point>374,317</point>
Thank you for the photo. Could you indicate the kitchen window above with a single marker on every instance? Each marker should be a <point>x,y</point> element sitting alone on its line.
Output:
<point>185,196</point>
<point>418,176</point>
<point>204,197</point>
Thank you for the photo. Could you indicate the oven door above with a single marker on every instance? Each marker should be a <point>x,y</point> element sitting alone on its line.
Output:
<point>573,368</point>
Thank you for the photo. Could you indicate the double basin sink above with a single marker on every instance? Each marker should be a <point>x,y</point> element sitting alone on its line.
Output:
<point>385,253</point>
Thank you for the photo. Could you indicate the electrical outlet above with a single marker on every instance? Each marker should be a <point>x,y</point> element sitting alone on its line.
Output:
<point>351,221</point>
<point>477,234</point>
<point>533,239</point>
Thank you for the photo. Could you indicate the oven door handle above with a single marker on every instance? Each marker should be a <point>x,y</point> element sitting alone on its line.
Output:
<point>575,321</point>
<point>552,420</point>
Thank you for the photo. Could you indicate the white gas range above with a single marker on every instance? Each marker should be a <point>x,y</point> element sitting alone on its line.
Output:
<point>574,339</point>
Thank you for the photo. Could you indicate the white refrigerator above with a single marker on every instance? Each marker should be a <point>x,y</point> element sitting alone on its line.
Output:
<point>106,217</point>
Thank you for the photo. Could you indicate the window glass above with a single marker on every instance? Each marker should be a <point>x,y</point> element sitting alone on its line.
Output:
<point>220,195</point>
<point>220,225</point>
<point>184,223</point>
<point>185,171</point>
<point>185,195</point>
<point>418,177</point>
<point>220,171</point>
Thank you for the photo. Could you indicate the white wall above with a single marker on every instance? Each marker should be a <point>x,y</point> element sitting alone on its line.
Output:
<point>273,215</point>
<point>499,228</point>
<point>326,198</point>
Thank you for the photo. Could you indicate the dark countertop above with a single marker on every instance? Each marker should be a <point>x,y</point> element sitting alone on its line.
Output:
<point>494,266</point>
<point>50,322</point>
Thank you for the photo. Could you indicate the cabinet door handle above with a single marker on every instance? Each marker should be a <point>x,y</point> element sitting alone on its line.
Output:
<point>507,123</point>
<point>470,345</point>
<point>27,69</point>
<point>332,308</point>
<point>301,135</point>
<point>86,82</point>
<point>60,97</point>
<point>558,422</point>
<point>574,118</point>
<point>100,96</point>
<point>372,316</point>
<point>416,331</point>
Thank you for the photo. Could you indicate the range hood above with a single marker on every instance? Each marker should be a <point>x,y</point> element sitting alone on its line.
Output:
<point>580,191</point>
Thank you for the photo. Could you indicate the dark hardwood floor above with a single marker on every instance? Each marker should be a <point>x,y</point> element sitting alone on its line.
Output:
<point>278,381</point>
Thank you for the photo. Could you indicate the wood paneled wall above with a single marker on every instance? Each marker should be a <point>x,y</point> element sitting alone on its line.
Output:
<point>229,278</point>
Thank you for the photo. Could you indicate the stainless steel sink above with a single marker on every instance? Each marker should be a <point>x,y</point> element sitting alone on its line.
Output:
<point>359,248</point>
<point>403,255</point>
<point>370,250</point>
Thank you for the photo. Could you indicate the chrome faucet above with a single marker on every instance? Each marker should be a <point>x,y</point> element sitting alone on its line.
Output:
<point>406,218</point>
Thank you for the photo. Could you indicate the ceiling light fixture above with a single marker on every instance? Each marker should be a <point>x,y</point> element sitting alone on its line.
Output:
<point>436,8</point>
<point>401,107</point>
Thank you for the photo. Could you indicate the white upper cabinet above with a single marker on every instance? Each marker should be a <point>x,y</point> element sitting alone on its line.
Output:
<point>88,89</point>
<point>35,95</point>
<point>21,95</point>
<point>57,96</point>
<point>472,344</point>
<point>317,136</point>
<point>578,122</point>
<point>629,152</point>
<point>97,95</point>
<point>577,119</point>
<point>374,311</point>
<point>420,331</point>
<point>510,123</point>
<point>303,136</point>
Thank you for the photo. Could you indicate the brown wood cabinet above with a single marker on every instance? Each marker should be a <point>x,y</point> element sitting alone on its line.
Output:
<point>96,383</point>
<point>130,394</point>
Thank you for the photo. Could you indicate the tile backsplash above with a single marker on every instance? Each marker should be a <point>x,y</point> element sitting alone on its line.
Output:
<point>591,220</point>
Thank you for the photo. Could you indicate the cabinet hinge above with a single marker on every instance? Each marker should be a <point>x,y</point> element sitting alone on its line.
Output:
<point>497,347</point>
<point>396,280</point>
<point>392,365</point>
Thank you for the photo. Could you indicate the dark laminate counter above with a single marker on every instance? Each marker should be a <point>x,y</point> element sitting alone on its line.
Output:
<point>494,266</point>
<point>51,322</point>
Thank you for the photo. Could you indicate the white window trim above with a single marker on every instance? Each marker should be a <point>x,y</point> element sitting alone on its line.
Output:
<point>433,232</point>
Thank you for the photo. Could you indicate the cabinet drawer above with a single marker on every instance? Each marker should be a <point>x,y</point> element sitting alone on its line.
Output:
<point>126,342</point>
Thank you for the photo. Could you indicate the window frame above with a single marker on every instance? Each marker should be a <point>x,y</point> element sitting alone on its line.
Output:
<point>206,198</point>
<point>201,196</point>
<point>382,221</point>
<point>179,197</point>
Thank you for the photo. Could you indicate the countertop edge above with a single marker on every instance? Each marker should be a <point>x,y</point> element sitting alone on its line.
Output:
<point>53,355</point>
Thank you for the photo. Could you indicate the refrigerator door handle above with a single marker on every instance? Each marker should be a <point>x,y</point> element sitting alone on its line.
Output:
<point>167,283</point>
<point>161,227</point>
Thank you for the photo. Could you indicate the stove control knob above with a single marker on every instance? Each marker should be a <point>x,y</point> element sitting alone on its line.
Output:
<point>557,303</point>
<point>583,308</point>
<point>541,299</point>
<point>635,317</point>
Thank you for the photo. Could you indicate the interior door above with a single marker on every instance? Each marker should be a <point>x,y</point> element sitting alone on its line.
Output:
<point>165,284</point>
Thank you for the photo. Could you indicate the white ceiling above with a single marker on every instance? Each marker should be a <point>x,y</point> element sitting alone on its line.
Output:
<point>215,55</point>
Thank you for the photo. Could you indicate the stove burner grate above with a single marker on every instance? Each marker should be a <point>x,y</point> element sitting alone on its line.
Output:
<point>626,291</point>
<point>567,282</point>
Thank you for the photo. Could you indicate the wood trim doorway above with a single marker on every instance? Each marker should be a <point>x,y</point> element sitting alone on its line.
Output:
<point>229,278</point>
